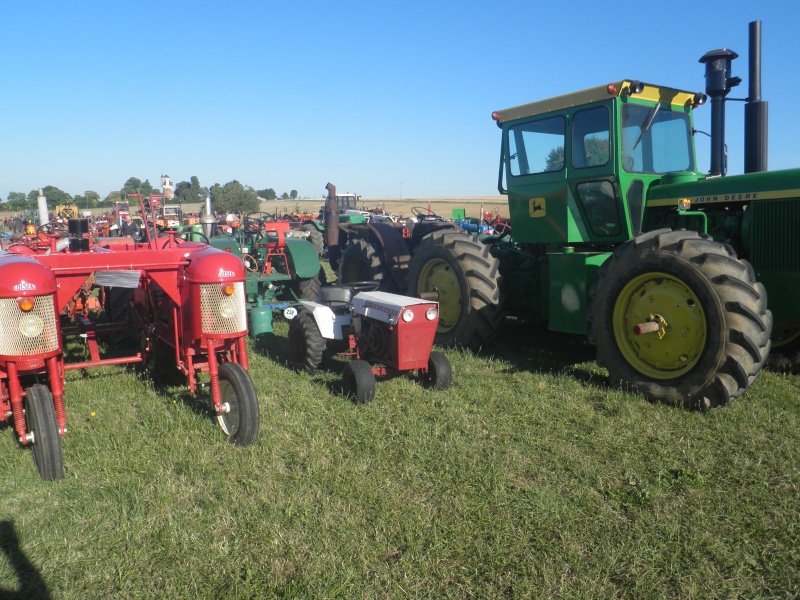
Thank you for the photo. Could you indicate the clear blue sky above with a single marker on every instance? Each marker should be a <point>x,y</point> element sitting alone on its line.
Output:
<point>380,98</point>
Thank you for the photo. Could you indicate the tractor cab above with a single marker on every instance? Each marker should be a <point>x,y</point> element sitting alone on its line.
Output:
<point>577,167</point>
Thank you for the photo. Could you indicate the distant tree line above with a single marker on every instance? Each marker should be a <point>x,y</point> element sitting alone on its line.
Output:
<point>231,197</point>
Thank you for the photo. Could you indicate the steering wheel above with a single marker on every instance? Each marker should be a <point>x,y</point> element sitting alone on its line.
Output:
<point>423,214</point>
<point>362,286</point>
<point>46,229</point>
<point>183,235</point>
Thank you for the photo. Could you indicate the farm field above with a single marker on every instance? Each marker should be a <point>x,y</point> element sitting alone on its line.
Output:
<point>528,478</point>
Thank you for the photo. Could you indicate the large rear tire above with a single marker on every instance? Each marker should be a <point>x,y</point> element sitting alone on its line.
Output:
<point>42,423</point>
<point>713,325</point>
<point>467,279</point>
<point>315,237</point>
<point>361,261</point>
<point>242,421</point>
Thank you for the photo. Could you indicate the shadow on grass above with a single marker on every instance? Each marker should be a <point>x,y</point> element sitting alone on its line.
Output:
<point>31,584</point>
<point>530,346</point>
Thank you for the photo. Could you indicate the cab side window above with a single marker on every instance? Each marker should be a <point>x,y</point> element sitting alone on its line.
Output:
<point>537,146</point>
<point>590,138</point>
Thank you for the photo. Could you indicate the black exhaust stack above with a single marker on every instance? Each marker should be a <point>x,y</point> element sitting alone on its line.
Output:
<point>718,85</point>
<point>755,111</point>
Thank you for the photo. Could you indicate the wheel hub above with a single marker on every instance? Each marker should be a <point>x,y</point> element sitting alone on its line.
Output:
<point>675,346</point>
<point>438,276</point>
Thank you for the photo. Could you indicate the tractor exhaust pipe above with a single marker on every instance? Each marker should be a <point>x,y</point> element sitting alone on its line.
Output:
<point>755,111</point>
<point>718,85</point>
<point>331,215</point>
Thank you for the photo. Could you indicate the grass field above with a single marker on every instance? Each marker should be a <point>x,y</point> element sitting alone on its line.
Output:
<point>528,478</point>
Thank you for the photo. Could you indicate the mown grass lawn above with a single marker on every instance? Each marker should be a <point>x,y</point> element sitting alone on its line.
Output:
<point>528,478</point>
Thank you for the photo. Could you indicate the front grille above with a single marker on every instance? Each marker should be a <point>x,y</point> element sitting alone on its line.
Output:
<point>222,314</point>
<point>39,324</point>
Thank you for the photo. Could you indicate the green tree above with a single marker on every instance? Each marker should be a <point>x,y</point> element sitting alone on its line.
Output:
<point>284,196</point>
<point>293,194</point>
<point>54,197</point>
<point>234,197</point>
<point>555,159</point>
<point>137,186</point>
<point>191,191</point>
<point>16,201</point>
<point>267,194</point>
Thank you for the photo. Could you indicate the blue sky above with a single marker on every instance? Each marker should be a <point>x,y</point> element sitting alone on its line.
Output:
<point>382,99</point>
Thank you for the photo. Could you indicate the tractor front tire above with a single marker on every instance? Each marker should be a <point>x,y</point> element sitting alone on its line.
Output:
<point>467,279</point>
<point>242,421</point>
<point>42,423</point>
<point>439,375</point>
<point>359,381</point>
<point>306,345</point>
<point>713,325</point>
<point>361,261</point>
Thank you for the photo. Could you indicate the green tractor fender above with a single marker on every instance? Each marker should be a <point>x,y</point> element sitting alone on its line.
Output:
<point>303,256</point>
<point>226,244</point>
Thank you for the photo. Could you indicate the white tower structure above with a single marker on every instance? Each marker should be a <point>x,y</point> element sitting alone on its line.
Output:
<point>167,187</point>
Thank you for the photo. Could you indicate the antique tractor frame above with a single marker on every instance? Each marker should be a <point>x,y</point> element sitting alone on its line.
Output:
<point>185,302</point>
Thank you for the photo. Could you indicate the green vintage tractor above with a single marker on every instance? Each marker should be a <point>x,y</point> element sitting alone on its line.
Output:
<point>281,264</point>
<point>615,235</point>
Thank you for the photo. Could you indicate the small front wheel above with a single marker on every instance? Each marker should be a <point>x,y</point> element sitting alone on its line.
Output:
<point>42,423</point>
<point>242,417</point>
<point>439,375</point>
<point>359,381</point>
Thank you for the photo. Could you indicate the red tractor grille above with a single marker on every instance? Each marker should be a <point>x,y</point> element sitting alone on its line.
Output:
<point>28,333</point>
<point>223,314</point>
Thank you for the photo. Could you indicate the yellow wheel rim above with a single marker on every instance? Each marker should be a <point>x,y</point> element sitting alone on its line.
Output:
<point>438,276</point>
<point>676,347</point>
<point>784,337</point>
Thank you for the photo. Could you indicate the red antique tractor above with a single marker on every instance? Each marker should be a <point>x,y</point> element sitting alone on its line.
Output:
<point>183,300</point>
<point>383,333</point>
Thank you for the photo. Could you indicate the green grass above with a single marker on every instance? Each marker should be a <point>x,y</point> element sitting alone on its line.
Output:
<point>528,478</point>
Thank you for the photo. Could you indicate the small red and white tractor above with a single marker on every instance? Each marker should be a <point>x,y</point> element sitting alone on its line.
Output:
<point>183,301</point>
<point>394,332</point>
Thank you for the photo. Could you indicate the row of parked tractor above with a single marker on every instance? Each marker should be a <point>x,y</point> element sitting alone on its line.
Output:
<point>686,283</point>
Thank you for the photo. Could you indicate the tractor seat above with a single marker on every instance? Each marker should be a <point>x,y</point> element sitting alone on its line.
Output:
<point>337,298</point>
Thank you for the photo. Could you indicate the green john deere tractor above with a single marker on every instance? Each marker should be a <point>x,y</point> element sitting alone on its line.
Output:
<point>614,234</point>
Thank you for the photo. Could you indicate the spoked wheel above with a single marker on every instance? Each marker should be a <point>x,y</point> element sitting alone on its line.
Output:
<point>42,423</point>
<point>242,419</point>
<point>679,318</point>
<point>306,344</point>
<point>359,381</point>
<point>439,375</point>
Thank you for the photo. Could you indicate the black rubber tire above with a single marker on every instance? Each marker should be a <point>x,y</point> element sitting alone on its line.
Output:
<point>470,311</point>
<point>737,322</point>
<point>242,421</point>
<point>305,343</point>
<point>307,289</point>
<point>440,373</point>
<point>315,237</point>
<point>785,355</point>
<point>41,416</point>
<point>361,261</point>
<point>359,381</point>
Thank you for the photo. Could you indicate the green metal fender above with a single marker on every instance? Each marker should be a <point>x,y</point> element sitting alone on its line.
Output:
<point>303,256</point>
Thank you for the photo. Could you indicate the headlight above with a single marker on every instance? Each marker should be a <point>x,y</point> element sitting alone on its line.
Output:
<point>31,326</point>
<point>408,315</point>
<point>227,307</point>
<point>431,314</point>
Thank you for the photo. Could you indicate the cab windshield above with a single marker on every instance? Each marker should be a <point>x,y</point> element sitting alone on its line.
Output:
<point>656,139</point>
